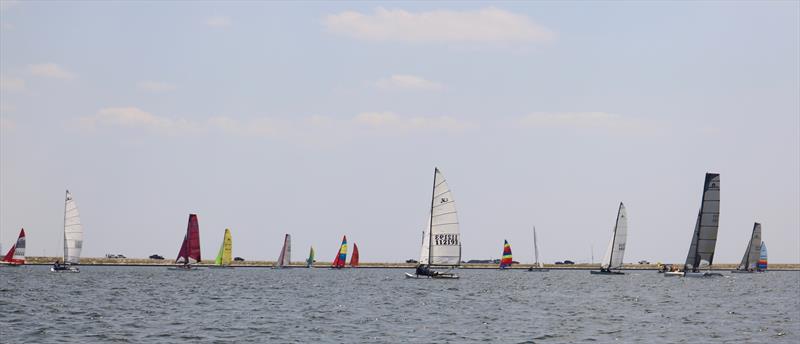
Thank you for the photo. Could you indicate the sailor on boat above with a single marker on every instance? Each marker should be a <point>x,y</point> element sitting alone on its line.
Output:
<point>422,270</point>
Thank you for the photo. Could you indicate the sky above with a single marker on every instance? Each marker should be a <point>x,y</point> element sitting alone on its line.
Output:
<point>323,119</point>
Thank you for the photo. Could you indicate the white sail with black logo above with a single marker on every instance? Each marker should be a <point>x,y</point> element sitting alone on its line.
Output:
<point>441,243</point>
<point>704,238</point>
<point>616,246</point>
<point>751,254</point>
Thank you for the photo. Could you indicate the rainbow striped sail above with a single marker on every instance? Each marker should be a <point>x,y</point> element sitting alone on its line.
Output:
<point>506,261</point>
<point>762,259</point>
<point>341,257</point>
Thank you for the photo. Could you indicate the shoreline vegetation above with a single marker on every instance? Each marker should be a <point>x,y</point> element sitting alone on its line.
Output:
<point>269,264</point>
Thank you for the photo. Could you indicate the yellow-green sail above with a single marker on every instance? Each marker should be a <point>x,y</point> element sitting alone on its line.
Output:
<point>310,260</point>
<point>224,255</point>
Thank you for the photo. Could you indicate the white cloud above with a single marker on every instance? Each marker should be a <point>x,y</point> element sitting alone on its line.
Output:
<point>408,82</point>
<point>50,70</point>
<point>155,86</point>
<point>393,122</point>
<point>219,22</point>
<point>11,84</point>
<point>313,128</point>
<point>132,117</point>
<point>588,120</point>
<point>482,25</point>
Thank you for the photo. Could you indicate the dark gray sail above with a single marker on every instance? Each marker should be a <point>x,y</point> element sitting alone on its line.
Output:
<point>704,239</point>
<point>750,259</point>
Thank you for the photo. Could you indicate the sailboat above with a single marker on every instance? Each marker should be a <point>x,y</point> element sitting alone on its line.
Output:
<point>190,249</point>
<point>505,261</point>
<point>762,258</point>
<point>751,253</point>
<point>16,254</point>
<point>616,247</point>
<point>285,258</point>
<point>354,257</point>
<point>704,238</point>
<point>341,255</point>
<point>537,265</point>
<point>441,245</point>
<point>73,237</point>
<point>310,260</point>
<point>225,251</point>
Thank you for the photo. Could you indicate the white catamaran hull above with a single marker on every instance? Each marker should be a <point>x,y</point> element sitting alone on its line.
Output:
<point>69,269</point>
<point>702,274</point>
<point>439,276</point>
<point>673,274</point>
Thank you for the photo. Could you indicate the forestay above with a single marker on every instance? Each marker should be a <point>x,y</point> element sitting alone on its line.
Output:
<point>704,238</point>
<point>73,231</point>
<point>616,246</point>
<point>441,245</point>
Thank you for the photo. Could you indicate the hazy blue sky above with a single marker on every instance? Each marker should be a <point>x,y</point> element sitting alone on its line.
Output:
<point>321,119</point>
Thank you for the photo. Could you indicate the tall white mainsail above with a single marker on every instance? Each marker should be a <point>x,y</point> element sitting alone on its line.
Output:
<point>536,263</point>
<point>616,246</point>
<point>441,244</point>
<point>73,231</point>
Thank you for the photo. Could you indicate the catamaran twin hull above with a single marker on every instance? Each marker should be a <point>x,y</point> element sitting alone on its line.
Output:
<point>438,276</point>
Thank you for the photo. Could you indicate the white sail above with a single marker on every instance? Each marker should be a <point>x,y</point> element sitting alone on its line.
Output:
<point>536,263</point>
<point>616,246</point>
<point>442,240</point>
<point>73,231</point>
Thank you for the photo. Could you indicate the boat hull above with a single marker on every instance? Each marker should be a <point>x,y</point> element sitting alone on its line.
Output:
<point>538,270</point>
<point>221,267</point>
<point>673,274</point>
<point>702,274</point>
<point>439,276</point>
<point>745,271</point>
<point>67,269</point>
<point>182,268</point>
<point>595,272</point>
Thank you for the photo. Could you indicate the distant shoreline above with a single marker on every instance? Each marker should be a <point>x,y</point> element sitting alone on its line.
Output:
<point>270,264</point>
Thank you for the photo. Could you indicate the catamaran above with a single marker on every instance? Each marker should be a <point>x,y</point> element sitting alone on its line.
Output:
<point>751,253</point>
<point>762,259</point>
<point>16,254</point>
<point>190,249</point>
<point>507,259</point>
<point>310,260</point>
<point>285,258</point>
<point>354,256</point>
<point>704,238</point>
<point>537,265</point>
<point>616,247</point>
<point>225,251</point>
<point>441,245</point>
<point>341,256</point>
<point>73,237</point>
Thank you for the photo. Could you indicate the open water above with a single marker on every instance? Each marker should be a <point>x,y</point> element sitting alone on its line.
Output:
<point>254,305</point>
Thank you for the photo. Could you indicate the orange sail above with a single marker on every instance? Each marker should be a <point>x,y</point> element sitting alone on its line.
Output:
<point>354,258</point>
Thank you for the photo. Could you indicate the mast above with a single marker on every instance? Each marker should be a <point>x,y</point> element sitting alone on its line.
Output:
<point>64,232</point>
<point>430,223</point>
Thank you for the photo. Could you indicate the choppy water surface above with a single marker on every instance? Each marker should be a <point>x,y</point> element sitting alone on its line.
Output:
<point>151,304</point>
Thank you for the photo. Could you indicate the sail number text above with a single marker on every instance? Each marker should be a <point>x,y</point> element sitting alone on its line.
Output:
<point>445,239</point>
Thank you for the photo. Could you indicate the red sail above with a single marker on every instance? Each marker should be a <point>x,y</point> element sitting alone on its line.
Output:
<point>18,249</point>
<point>190,249</point>
<point>341,256</point>
<point>354,258</point>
